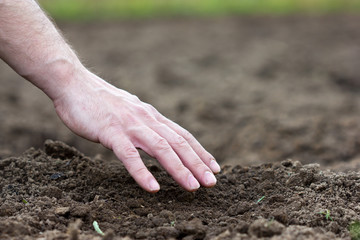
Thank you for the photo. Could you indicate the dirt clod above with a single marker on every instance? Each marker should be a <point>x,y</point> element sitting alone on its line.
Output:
<point>62,211</point>
<point>265,228</point>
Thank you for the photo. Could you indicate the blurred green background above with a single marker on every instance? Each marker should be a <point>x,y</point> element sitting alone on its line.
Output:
<point>118,9</point>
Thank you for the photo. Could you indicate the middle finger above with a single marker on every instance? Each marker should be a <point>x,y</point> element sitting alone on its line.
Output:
<point>187,155</point>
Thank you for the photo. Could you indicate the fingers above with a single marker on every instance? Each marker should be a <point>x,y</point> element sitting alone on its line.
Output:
<point>130,157</point>
<point>146,138</point>
<point>176,149</point>
<point>205,156</point>
<point>187,155</point>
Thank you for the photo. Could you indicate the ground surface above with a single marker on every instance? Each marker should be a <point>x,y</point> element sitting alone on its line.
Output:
<point>252,90</point>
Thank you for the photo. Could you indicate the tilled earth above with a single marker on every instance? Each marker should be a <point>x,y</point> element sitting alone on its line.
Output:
<point>255,91</point>
<point>58,193</point>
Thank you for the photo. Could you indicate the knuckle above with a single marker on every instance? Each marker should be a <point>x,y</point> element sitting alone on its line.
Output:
<point>141,110</point>
<point>135,98</point>
<point>179,142</point>
<point>198,164</point>
<point>140,171</point>
<point>148,106</point>
<point>179,168</point>
<point>162,145</point>
<point>135,129</point>
<point>130,119</point>
<point>151,108</point>
<point>187,135</point>
<point>149,117</point>
<point>131,153</point>
<point>144,113</point>
<point>111,124</point>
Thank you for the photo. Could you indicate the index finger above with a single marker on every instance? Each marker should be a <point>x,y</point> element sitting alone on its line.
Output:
<point>130,157</point>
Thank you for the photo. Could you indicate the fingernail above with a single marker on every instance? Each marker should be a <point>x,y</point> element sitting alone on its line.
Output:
<point>193,183</point>
<point>210,179</point>
<point>215,166</point>
<point>153,185</point>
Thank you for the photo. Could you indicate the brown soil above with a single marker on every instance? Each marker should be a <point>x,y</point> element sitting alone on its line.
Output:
<point>43,192</point>
<point>252,90</point>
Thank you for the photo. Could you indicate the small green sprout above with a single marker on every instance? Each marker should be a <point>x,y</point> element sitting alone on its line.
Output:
<point>260,199</point>
<point>24,201</point>
<point>326,213</point>
<point>172,223</point>
<point>354,229</point>
<point>97,228</point>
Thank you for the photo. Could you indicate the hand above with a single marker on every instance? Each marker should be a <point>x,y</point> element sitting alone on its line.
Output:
<point>98,111</point>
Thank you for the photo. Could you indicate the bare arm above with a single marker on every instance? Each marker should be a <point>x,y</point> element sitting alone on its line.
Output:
<point>33,47</point>
<point>94,109</point>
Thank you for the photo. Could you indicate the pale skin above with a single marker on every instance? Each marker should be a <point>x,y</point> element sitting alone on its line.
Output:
<point>93,108</point>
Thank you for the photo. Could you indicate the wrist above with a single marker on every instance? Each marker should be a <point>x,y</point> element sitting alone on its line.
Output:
<point>55,77</point>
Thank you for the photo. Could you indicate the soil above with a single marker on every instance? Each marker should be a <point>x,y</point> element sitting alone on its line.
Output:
<point>43,192</point>
<point>275,99</point>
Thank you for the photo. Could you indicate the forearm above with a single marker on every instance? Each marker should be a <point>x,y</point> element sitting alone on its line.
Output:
<point>33,47</point>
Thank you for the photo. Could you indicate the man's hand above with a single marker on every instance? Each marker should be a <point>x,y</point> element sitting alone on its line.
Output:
<point>98,111</point>
<point>94,109</point>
